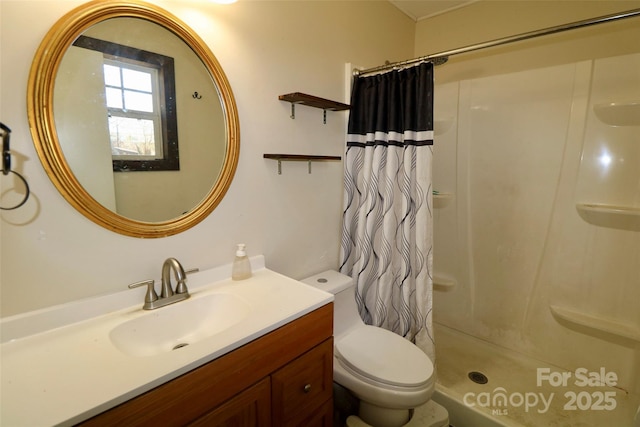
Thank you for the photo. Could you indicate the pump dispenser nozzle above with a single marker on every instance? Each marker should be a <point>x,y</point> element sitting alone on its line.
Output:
<point>240,251</point>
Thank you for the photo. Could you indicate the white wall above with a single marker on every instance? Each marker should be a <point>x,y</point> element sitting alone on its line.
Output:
<point>51,254</point>
<point>81,124</point>
<point>488,20</point>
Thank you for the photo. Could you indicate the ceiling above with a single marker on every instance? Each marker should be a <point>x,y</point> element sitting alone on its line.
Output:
<point>420,9</point>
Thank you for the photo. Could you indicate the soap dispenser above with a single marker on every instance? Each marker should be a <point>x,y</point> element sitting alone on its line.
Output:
<point>241,268</point>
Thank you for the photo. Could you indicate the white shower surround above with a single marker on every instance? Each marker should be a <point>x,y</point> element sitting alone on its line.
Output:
<point>518,152</point>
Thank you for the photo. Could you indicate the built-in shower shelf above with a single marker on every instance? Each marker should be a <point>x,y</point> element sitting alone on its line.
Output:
<point>619,113</point>
<point>443,283</point>
<point>612,216</point>
<point>598,326</point>
<point>441,200</point>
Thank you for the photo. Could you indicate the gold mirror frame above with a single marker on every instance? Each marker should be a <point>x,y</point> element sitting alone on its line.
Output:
<point>41,119</point>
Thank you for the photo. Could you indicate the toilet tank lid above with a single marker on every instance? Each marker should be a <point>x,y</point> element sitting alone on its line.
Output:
<point>329,281</point>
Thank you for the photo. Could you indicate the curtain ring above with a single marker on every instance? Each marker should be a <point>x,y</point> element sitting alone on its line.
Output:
<point>26,196</point>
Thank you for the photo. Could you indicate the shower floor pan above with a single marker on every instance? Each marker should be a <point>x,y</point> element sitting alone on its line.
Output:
<point>511,397</point>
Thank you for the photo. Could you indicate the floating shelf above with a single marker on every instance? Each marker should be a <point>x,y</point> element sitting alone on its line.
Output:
<point>299,158</point>
<point>595,325</point>
<point>612,216</point>
<point>619,114</point>
<point>312,101</point>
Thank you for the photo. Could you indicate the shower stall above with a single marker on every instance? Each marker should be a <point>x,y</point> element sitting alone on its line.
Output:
<point>537,245</point>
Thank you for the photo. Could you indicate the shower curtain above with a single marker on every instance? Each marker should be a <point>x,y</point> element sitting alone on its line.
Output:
<point>387,220</point>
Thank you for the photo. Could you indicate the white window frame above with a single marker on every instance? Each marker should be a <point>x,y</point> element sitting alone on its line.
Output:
<point>153,116</point>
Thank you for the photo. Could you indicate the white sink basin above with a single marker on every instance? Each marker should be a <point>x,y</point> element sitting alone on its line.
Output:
<point>178,325</point>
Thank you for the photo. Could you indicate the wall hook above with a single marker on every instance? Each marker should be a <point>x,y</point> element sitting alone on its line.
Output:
<point>196,95</point>
<point>6,165</point>
<point>6,154</point>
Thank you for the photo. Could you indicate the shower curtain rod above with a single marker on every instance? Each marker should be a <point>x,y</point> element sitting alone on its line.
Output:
<point>442,57</point>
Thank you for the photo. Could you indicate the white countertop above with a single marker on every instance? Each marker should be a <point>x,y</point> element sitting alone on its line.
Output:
<point>72,371</point>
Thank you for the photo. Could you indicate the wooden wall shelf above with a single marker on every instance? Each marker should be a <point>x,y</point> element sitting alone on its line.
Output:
<point>312,101</point>
<point>299,158</point>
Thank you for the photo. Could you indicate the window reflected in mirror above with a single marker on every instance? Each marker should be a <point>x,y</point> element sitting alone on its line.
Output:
<point>140,103</point>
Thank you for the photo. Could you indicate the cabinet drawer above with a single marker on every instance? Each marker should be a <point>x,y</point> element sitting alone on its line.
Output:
<point>303,385</point>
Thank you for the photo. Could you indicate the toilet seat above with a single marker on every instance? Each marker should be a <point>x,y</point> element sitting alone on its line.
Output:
<point>382,356</point>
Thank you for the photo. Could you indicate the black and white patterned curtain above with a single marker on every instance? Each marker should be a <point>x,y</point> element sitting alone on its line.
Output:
<point>387,221</point>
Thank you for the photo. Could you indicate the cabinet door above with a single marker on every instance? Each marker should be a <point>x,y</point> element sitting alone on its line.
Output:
<point>251,408</point>
<point>301,387</point>
<point>323,417</point>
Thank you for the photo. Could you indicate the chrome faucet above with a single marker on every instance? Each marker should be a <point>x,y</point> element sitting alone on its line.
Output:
<point>167,294</point>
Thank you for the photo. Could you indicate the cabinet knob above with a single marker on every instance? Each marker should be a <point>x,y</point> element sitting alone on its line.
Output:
<point>307,388</point>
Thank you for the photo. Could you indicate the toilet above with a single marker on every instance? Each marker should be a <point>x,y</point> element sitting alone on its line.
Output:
<point>388,374</point>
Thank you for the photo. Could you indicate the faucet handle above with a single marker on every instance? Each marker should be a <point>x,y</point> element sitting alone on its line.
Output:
<point>181,286</point>
<point>151,295</point>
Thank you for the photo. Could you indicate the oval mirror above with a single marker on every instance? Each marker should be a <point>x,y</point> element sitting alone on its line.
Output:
<point>133,118</point>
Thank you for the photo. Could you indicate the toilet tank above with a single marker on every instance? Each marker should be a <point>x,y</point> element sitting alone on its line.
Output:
<point>345,309</point>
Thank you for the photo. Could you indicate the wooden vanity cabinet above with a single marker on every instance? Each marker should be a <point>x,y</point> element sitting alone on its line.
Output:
<point>282,379</point>
<point>250,408</point>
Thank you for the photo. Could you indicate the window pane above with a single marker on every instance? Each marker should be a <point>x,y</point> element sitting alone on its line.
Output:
<point>112,75</point>
<point>135,122</point>
<point>131,136</point>
<point>114,97</point>
<point>137,80</point>
<point>138,101</point>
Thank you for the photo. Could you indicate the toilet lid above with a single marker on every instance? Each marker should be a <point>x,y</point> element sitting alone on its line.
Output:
<point>384,356</point>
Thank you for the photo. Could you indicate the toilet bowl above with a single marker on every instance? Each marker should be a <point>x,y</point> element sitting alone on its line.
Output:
<point>387,373</point>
